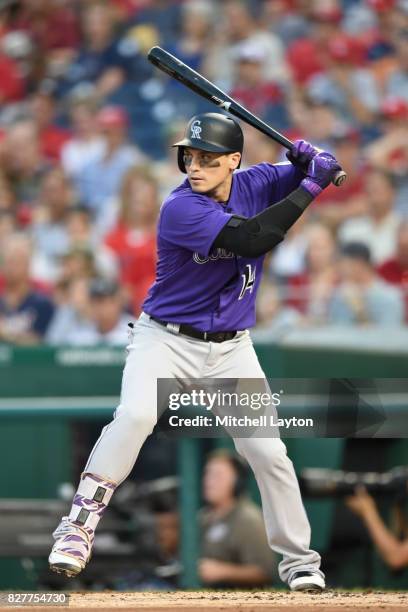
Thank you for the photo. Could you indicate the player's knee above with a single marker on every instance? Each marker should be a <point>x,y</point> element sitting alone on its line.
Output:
<point>265,454</point>
<point>139,420</point>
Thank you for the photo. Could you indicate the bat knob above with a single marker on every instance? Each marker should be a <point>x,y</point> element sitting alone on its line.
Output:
<point>339,178</point>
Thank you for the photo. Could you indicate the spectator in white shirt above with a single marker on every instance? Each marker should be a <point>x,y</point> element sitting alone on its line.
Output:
<point>362,298</point>
<point>87,144</point>
<point>378,229</point>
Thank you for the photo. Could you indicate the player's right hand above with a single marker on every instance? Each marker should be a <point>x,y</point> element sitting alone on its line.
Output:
<point>321,171</point>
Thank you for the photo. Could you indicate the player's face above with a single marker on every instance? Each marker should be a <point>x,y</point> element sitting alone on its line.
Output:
<point>206,170</point>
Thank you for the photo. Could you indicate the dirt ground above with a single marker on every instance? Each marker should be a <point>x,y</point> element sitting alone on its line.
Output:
<point>227,601</point>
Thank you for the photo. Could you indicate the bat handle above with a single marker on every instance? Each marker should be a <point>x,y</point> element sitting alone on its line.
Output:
<point>339,178</point>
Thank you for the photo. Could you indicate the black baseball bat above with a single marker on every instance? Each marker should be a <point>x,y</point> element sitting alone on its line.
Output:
<point>170,64</point>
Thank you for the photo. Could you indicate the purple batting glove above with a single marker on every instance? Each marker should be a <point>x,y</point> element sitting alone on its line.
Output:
<point>301,154</point>
<point>321,171</point>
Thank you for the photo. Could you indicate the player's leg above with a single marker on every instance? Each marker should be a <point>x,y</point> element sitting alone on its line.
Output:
<point>286,521</point>
<point>152,353</point>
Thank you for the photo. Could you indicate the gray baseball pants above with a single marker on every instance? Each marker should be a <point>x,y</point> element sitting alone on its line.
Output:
<point>154,352</point>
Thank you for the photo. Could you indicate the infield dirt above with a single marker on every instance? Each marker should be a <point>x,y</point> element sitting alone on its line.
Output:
<point>227,601</point>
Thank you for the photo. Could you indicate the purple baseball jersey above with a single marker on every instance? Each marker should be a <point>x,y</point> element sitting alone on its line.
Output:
<point>212,289</point>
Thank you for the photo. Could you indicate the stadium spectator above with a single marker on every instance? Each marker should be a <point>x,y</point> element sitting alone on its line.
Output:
<point>273,318</point>
<point>83,237</point>
<point>71,324</point>
<point>310,292</point>
<point>133,240</point>
<point>52,26</point>
<point>87,144</point>
<point>110,322</point>
<point>253,90</point>
<point>77,262</point>
<point>99,182</point>
<point>49,225</point>
<point>234,548</point>
<point>238,27</point>
<point>334,205</point>
<point>25,165</point>
<point>100,59</point>
<point>43,111</point>
<point>197,22</point>
<point>389,152</point>
<point>393,551</point>
<point>307,56</point>
<point>288,258</point>
<point>258,148</point>
<point>288,20</point>
<point>379,40</point>
<point>378,228</point>
<point>12,81</point>
<point>91,314</point>
<point>347,87</point>
<point>312,120</point>
<point>362,298</point>
<point>395,270</point>
<point>7,196</point>
<point>397,83</point>
<point>25,312</point>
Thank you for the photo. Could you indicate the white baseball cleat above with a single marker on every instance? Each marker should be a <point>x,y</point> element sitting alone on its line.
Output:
<point>307,581</point>
<point>72,549</point>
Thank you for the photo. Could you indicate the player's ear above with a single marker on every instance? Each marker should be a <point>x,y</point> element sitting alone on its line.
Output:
<point>235,158</point>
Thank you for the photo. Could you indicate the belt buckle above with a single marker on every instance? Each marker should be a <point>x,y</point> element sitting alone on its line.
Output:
<point>219,337</point>
<point>173,327</point>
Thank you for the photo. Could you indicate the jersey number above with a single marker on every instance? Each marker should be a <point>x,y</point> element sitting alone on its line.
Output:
<point>248,280</point>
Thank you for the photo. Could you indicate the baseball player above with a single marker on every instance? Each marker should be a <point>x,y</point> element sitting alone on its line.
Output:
<point>213,233</point>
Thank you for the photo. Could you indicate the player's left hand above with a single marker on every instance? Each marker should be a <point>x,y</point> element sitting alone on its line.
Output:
<point>301,154</point>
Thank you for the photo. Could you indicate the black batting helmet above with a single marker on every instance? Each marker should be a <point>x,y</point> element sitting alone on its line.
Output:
<point>211,132</point>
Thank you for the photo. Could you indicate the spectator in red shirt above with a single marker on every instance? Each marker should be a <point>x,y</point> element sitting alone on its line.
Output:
<point>53,28</point>
<point>307,56</point>
<point>389,153</point>
<point>134,237</point>
<point>52,136</point>
<point>395,270</point>
<point>335,205</point>
<point>12,85</point>
<point>261,96</point>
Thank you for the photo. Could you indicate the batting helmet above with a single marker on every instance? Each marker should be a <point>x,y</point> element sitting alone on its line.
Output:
<point>211,132</point>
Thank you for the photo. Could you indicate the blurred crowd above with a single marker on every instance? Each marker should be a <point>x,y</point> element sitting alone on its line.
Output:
<point>85,128</point>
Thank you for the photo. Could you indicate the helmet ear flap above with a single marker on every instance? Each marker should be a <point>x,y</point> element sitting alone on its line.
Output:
<point>180,159</point>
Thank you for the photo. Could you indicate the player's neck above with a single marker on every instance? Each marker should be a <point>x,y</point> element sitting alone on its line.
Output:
<point>221,192</point>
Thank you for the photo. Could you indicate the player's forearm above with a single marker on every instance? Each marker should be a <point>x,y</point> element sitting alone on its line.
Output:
<point>259,234</point>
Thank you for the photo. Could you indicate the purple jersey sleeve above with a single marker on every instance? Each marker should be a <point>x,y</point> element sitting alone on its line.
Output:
<point>192,222</point>
<point>273,182</point>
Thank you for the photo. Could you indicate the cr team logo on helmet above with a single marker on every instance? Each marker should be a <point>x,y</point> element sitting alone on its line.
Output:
<point>196,129</point>
<point>212,132</point>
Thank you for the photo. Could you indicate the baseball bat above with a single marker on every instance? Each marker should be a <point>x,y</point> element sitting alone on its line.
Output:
<point>203,87</point>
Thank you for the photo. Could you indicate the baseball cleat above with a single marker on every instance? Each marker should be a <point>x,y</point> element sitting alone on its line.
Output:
<point>308,582</point>
<point>72,548</point>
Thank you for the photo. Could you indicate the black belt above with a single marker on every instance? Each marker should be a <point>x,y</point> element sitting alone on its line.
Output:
<point>189,330</point>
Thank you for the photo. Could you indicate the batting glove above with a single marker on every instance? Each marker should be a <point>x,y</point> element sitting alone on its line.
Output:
<point>320,173</point>
<point>301,154</point>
